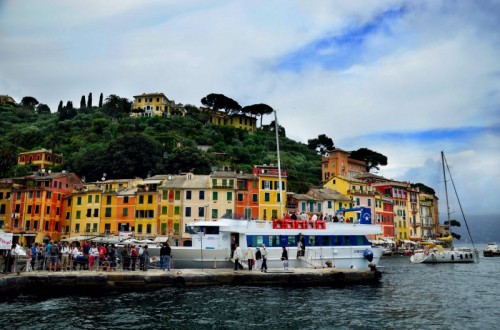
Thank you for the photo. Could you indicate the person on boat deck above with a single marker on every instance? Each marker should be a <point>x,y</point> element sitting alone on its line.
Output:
<point>293,216</point>
<point>263,252</point>
<point>238,256</point>
<point>284,258</point>
<point>299,248</point>
<point>250,257</point>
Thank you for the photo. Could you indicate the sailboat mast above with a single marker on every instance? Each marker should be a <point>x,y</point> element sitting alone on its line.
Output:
<point>446,194</point>
<point>279,164</point>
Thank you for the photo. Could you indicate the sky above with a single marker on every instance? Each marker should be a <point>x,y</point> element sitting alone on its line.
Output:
<point>407,79</point>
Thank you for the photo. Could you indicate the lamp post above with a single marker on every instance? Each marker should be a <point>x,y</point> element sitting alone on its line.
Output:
<point>200,235</point>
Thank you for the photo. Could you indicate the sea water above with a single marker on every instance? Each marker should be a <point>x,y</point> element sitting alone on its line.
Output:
<point>409,296</point>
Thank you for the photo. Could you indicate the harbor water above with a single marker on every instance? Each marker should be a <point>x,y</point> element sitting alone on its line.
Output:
<point>409,296</point>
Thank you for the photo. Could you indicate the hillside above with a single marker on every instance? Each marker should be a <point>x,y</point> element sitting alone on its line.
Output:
<point>96,141</point>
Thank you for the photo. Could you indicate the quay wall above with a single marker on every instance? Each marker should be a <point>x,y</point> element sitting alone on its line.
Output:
<point>43,282</point>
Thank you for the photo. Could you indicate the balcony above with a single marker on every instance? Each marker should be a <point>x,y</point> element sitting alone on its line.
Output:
<point>414,224</point>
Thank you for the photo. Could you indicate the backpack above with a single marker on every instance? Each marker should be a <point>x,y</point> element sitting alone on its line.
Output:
<point>54,250</point>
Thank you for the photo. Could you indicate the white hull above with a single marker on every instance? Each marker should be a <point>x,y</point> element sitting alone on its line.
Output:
<point>212,249</point>
<point>446,256</point>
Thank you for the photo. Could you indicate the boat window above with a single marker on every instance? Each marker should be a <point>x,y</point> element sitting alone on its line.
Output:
<point>312,241</point>
<point>274,241</point>
<point>346,240</point>
<point>255,241</point>
<point>325,240</point>
<point>291,241</point>
<point>336,241</point>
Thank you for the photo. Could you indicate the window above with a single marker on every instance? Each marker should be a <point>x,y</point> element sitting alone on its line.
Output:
<point>201,211</point>
<point>150,199</point>
<point>89,213</point>
<point>267,197</point>
<point>329,203</point>
<point>78,214</point>
<point>108,200</point>
<point>125,212</point>
<point>79,200</point>
<point>177,210</point>
<point>108,212</point>
<point>188,212</point>
<point>125,200</point>
<point>255,198</point>
<point>77,228</point>
<point>96,213</point>
<point>48,210</point>
<point>148,228</point>
<point>240,197</point>
<point>231,183</point>
<point>266,184</point>
<point>46,226</point>
<point>229,196</point>
<point>141,199</point>
<point>188,194</point>
<point>201,194</point>
<point>215,214</point>
<point>215,196</point>
<point>139,229</point>
<point>94,228</point>
<point>177,195</point>
<point>96,199</point>
<point>369,202</point>
<point>29,209</point>
<point>89,199</point>
<point>164,210</point>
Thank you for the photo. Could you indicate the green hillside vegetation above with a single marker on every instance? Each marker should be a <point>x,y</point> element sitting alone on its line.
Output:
<point>97,140</point>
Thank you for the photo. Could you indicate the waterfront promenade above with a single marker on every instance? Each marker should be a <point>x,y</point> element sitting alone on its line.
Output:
<point>45,282</point>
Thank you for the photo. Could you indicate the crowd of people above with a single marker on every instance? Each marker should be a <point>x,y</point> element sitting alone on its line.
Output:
<point>65,256</point>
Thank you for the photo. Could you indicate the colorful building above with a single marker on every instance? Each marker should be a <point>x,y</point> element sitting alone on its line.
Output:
<point>271,203</point>
<point>42,158</point>
<point>236,120</point>
<point>337,163</point>
<point>155,104</point>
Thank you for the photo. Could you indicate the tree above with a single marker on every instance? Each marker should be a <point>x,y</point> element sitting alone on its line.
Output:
<point>117,107</point>
<point>83,104</point>
<point>100,100</point>
<point>423,188</point>
<point>372,158</point>
<point>89,101</point>
<point>322,144</point>
<point>260,109</point>
<point>42,108</point>
<point>221,102</point>
<point>132,155</point>
<point>60,106</point>
<point>8,157</point>
<point>189,159</point>
<point>29,102</point>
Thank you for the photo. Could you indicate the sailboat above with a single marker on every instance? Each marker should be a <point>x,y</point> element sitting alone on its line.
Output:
<point>435,252</point>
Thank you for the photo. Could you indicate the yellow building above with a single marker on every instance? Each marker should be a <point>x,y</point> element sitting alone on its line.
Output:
<point>85,212</point>
<point>241,121</point>
<point>147,212</point>
<point>5,191</point>
<point>271,203</point>
<point>155,104</point>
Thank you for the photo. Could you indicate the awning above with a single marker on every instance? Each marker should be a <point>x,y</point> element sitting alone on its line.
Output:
<point>161,239</point>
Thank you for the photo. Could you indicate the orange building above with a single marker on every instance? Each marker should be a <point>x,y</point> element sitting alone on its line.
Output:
<point>338,163</point>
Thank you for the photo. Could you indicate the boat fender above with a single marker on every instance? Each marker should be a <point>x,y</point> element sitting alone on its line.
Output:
<point>368,254</point>
<point>179,282</point>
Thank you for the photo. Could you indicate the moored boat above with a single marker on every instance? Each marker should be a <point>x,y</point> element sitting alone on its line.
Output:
<point>491,250</point>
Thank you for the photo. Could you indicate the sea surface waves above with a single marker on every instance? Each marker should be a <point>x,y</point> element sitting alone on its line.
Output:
<point>453,296</point>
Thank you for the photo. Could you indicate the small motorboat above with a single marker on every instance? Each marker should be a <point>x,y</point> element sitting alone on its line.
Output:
<point>491,250</point>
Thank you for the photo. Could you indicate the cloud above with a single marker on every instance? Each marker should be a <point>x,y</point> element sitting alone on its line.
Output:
<point>407,79</point>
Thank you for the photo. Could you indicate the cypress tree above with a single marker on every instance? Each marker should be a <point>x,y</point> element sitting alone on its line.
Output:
<point>82,102</point>
<point>89,101</point>
<point>59,108</point>
<point>100,101</point>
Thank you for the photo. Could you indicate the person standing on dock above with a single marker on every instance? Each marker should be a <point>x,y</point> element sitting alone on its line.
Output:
<point>144,258</point>
<point>250,257</point>
<point>258,259</point>
<point>165,252</point>
<point>238,256</point>
<point>263,252</point>
<point>284,258</point>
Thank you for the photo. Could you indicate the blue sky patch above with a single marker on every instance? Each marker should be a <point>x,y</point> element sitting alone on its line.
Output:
<point>339,51</point>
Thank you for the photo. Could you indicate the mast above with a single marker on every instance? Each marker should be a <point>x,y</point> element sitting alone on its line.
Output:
<point>279,163</point>
<point>446,194</point>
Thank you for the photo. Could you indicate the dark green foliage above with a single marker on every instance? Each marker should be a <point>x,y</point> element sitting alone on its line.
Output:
<point>372,158</point>
<point>89,101</point>
<point>260,109</point>
<point>423,188</point>
<point>83,104</point>
<point>100,100</point>
<point>322,144</point>
<point>221,102</point>
<point>42,108</point>
<point>29,102</point>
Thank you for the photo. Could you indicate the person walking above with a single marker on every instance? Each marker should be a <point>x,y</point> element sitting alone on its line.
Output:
<point>284,258</point>
<point>165,251</point>
<point>250,257</point>
<point>263,252</point>
<point>238,256</point>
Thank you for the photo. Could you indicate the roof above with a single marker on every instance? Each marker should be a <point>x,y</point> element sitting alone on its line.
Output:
<point>329,194</point>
